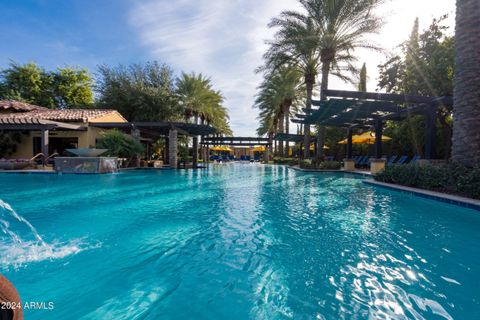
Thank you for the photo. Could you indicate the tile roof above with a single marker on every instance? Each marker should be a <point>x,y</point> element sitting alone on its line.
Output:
<point>66,115</point>
<point>18,106</point>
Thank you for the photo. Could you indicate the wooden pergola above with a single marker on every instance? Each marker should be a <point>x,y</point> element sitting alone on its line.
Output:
<point>168,130</point>
<point>236,141</point>
<point>353,110</point>
<point>33,124</point>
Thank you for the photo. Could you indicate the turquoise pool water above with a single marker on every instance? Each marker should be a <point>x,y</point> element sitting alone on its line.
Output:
<point>235,242</point>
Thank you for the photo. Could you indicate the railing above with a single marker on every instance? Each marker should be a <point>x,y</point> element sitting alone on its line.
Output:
<point>51,156</point>
<point>44,160</point>
<point>36,156</point>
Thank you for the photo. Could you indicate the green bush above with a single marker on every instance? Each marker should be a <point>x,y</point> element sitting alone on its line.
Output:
<point>288,161</point>
<point>119,144</point>
<point>323,165</point>
<point>8,143</point>
<point>450,178</point>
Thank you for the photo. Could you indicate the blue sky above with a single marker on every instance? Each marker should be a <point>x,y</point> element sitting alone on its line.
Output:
<point>223,39</point>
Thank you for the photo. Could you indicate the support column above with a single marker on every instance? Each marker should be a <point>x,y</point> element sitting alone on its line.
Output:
<point>349,143</point>
<point>378,138</point>
<point>173,148</point>
<point>378,164</point>
<point>320,152</point>
<point>135,133</point>
<point>266,155</point>
<point>166,159</point>
<point>195,152</point>
<point>430,132</point>
<point>45,143</point>
<point>207,153</point>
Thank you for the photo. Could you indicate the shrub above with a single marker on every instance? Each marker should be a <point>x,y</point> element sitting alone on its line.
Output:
<point>119,144</point>
<point>451,178</point>
<point>288,161</point>
<point>8,143</point>
<point>323,165</point>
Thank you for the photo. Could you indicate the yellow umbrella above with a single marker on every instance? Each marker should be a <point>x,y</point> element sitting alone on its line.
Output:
<point>365,138</point>
<point>258,149</point>
<point>219,148</point>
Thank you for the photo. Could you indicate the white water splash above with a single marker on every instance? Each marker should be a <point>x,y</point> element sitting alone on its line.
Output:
<point>20,242</point>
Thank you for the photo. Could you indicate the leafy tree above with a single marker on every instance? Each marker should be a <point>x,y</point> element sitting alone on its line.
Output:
<point>424,67</point>
<point>72,87</point>
<point>120,144</point>
<point>66,87</point>
<point>362,84</point>
<point>139,92</point>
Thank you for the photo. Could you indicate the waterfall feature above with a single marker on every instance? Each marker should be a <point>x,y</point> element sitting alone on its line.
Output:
<point>20,242</point>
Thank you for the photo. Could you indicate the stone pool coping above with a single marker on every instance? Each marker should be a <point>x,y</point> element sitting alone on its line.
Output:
<point>438,196</point>
<point>30,171</point>
<point>361,173</point>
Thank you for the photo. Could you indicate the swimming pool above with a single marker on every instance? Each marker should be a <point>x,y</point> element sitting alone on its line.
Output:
<point>236,241</point>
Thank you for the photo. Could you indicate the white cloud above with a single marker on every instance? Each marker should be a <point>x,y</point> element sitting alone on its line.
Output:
<point>222,39</point>
<point>225,39</point>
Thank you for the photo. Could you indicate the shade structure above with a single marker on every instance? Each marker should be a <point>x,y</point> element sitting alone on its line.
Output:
<point>365,138</point>
<point>259,149</point>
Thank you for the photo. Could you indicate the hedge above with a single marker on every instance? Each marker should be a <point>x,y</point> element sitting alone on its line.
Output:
<point>450,178</point>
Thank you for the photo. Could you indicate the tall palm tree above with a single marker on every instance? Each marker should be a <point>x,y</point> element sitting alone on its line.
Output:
<point>296,43</point>
<point>466,106</point>
<point>342,27</point>
<point>326,32</point>
<point>279,96</point>
<point>201,103</point>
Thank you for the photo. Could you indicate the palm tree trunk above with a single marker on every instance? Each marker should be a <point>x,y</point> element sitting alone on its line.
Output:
<point>466,105</point>
<point>281,129</point>
<point>287,106</point>
<point>309,81</point>
<point>323,96</point>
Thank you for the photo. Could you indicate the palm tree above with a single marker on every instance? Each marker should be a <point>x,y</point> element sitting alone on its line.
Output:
<point>201,103</point>
<point>327,32</point>
<point>342,27</point>
<point>296,43</point>
<point>466,106</point>
<point>279,96</point>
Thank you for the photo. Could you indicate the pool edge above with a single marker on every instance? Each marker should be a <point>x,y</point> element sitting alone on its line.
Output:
<point>433,195</point>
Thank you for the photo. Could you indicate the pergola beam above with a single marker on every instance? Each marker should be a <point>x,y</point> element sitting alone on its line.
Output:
<point>400,98</point>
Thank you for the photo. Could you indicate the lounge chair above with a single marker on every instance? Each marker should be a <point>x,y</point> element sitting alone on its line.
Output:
<point>365,162</point>
<point>392,160</point>
<point>360,160</point>
<point>402,160</point>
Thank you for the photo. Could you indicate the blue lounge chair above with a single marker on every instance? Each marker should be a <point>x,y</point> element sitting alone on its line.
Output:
<point>360,160</point>
<point>392,160</point>
<point>365,162</point>
<point>402,160</point>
